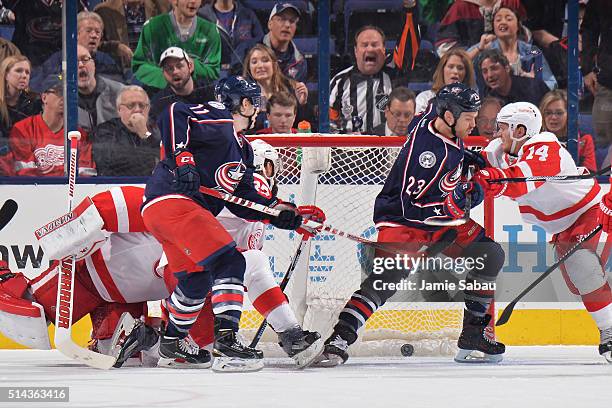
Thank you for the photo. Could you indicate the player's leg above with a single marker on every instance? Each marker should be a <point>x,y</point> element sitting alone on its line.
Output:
<point>369,298</point>
<point>586,276</point>
<point>270,301</point>
<point>479,291</point>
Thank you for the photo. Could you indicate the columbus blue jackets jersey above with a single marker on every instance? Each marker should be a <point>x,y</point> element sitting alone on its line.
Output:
<point>224,158</point>
<point>427,169</point>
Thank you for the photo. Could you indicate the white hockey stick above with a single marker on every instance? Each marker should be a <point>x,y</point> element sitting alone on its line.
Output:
<point>65,289</point>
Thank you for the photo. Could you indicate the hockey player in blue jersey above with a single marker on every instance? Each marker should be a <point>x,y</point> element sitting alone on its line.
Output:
<point>426,185</point>
<point>203,147</point>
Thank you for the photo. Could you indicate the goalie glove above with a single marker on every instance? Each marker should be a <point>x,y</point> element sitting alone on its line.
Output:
<point>454,203</point>
<point>186,176</point>
<point>604,217</point>
<point>312,213</point>
<point>484,176</point>
<point>289,217</point>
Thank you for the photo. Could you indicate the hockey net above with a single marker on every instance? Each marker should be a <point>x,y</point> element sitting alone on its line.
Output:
<point>330,267</point>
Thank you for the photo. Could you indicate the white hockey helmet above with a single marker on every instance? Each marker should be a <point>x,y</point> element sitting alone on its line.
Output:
<point>264,152</point>
<point>521,113</point>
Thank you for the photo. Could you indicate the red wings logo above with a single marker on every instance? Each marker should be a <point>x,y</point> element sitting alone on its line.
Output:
<point>261,185</point>
<point>228,175</point>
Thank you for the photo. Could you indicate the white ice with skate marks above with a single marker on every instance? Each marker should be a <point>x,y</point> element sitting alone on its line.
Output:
<point>552,376</point>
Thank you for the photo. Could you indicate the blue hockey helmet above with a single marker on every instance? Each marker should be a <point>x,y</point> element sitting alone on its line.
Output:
<point>456,98</point>
<point>231,90</point>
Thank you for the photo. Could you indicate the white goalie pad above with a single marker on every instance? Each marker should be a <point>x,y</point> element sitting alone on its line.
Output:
<point>78,232</point>
<point>23,322</point>
<point>316,160</point>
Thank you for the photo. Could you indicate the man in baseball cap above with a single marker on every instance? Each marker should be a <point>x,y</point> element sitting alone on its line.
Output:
<point>282,24</point>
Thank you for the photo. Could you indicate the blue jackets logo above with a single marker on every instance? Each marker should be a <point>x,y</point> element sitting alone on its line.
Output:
<point>229,174</point>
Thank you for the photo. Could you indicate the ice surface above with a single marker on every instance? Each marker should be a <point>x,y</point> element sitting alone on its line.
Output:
<point>539,377</point>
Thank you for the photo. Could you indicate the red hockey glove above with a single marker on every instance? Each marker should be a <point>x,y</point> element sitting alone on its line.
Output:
<point>186,177</point>
<point>483,176</point>
<point>313,213</point>
<point>454,203</point>
<point>604,217</point>
<point>289,217</point>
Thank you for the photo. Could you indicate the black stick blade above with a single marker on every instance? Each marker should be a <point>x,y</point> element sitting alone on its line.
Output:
<point>7,212</point>
<point>505,316</point>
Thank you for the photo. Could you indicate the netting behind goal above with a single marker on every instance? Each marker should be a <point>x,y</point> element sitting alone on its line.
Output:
<point>343,175</point>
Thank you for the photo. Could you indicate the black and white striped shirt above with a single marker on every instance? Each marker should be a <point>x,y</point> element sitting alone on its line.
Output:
<point>360,98</point>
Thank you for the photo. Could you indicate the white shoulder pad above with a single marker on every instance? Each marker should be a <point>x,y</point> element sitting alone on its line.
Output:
<point>77,233</point>
<point>23,322</point>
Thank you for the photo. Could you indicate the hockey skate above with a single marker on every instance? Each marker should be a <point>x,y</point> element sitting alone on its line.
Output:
<point>473,339</point>
<point>233,356</point>
<point>301,345</point>
<point>605,344</point>
<point>336,347</point>
<point>130,338</point>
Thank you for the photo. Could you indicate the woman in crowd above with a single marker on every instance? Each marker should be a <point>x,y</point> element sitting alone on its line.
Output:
<point>525,59</point>
<point>262,66</point>
<point>554,114</point>
<point>16,103</point>
<point>454,66</point>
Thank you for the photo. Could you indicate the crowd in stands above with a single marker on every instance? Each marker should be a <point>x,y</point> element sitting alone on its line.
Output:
<point>388,60</point>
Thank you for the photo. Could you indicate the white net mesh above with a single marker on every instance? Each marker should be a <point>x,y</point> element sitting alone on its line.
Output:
<point>329,270</point>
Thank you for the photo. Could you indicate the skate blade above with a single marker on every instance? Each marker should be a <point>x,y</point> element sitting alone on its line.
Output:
<point>468,356</point>
<point>122,331</point>
<point>327,360</point>
<point>236,365</point>
<point>174,363</point>
<point>310,355</point>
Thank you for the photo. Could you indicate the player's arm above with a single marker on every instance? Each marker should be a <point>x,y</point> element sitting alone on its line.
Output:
<point>119,208</point>
<point>538,159</point>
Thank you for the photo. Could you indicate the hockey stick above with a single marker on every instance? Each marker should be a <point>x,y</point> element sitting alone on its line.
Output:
<point>283,285</point>
<point>7,212</point>
<point>569,177</point>
<point>505,316</point>
<point>457,221</point>
<point>307,223</point>
<point>65,289</point>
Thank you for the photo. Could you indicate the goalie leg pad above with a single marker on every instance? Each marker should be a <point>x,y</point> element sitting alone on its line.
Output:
<point>23,321</point>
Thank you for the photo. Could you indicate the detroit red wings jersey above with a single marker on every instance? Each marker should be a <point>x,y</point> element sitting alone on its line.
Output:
<point>38,151</point>
<point>553,206</point>
<point>124,269</point>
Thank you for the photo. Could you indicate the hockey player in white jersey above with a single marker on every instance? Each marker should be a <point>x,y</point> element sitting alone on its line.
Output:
<point>567,210</point>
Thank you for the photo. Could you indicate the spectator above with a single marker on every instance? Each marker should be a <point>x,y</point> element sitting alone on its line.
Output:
<point>467,21</point>
<point>97,95</point>
<point>500,83</point>
<point>358,93</point>
<point>89,35</point>
<point>16,102</point>
<point>554,119</point>
<point>281,110</point>
<point>454,66</point>
<point>238,27</point>
<point>487,118</point>
<point>261,65</point>
<point>181,27</point>
<point>38,142</point>
<point>525,59</point>
<point>398,113</point>
<point>38,28</point>
<point>123,21</point>
<point>127,145</point>
<point>282,25</point>
<point>178,70</point>
<point>596,67</point>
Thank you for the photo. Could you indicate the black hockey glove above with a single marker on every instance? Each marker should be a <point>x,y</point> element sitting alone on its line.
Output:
<point>475,159</point>
<point>186,177</point>
<point>289,217</point>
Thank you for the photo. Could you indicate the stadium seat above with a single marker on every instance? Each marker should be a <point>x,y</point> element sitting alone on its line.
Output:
<point>585,124</point>
<point>382,13</point>
<point>6,31</point>
<point>310,49</point>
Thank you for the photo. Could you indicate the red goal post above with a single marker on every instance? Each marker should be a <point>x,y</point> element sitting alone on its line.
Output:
<point>342,174</point>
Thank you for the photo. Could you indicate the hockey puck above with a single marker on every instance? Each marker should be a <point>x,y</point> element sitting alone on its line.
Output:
<point>407,350</point>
